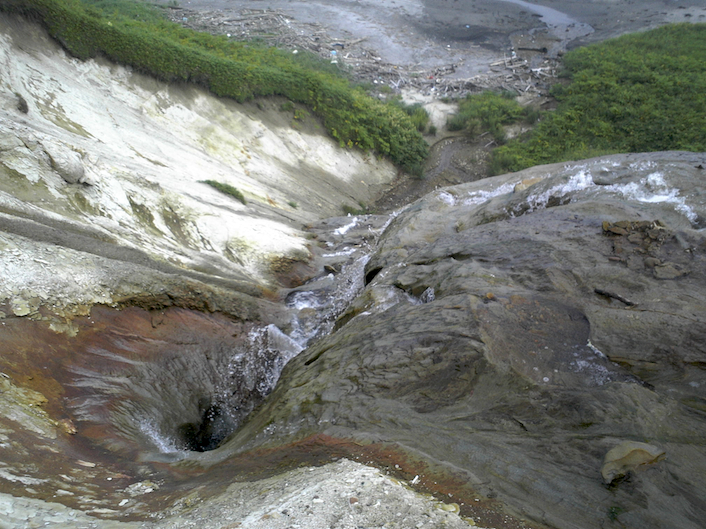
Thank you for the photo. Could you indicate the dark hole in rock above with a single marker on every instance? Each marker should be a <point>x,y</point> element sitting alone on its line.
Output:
<point>370,275</point>
<point>214,427</point>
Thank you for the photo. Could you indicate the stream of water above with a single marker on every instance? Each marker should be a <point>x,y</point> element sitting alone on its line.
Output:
<point>251,373</point>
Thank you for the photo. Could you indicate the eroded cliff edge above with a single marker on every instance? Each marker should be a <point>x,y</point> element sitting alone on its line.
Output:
<point>106,167</point>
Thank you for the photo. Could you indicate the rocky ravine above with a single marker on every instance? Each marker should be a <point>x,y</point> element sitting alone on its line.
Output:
<point>529,347</point>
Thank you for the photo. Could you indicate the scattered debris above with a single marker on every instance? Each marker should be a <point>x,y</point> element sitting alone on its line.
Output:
<point>273,27</point>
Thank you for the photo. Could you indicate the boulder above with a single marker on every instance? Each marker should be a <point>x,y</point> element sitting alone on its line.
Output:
<point>628,457</point>
<point>65,161</point>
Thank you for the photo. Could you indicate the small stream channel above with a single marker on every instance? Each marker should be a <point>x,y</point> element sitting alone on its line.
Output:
<point>175,402</point>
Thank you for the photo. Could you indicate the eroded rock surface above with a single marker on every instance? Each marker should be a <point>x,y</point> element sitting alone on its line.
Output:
<point>529,347</point>
<point>510,331</point>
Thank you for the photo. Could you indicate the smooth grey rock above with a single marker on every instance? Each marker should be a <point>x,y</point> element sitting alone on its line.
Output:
<point>518,372</point>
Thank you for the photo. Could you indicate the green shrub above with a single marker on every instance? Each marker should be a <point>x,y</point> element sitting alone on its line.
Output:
<point>638,93</point>
<point>487,112</point>
<point>226,189</point>
<point>350,210</point>
<point>132,9</point>
<point>417,113</point>
<point>126,33</point>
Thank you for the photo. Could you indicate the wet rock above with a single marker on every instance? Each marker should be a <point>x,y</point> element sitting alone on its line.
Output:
<point>537,351</point>
<point>668,271</point>
<point>527,182</point>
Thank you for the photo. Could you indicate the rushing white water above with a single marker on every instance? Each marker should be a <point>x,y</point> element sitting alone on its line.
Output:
<point>655,189</point>
<point>319,308</point>
<point>164,443</point>
<point>652,188</point>
<point>647,185</point>
<point>475,197</point>
<point>344,229</point>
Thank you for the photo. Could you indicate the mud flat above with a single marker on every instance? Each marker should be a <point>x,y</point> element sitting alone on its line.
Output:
<point>470,34</point>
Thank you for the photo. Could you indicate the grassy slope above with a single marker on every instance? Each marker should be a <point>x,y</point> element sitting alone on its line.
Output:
<point>638,93</point>
<point>227,68</point>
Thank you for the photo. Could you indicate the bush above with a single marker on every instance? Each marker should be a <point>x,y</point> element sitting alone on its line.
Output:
<point>638,93</point>
<point>350,210</point>
<point>131,33</point>
<point>419,116</point>
<point>487,112</point>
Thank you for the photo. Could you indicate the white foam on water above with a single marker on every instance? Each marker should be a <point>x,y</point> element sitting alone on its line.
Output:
<point>447,198</point>
<point>344,229</point>
<point>652,189</point>
<point>304,299</point>
<point>342,253</point>
<point>480,196</point>
<point>163,443</point>
<point>577,182</point>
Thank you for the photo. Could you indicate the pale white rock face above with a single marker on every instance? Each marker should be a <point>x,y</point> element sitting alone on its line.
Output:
<point>336,496</point>
<point>123,156</point>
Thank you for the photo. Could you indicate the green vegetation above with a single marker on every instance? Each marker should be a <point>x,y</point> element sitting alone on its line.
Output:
<point>362,210</point>
<point>132,33</point>
<point>488,112</point>
<point>638,93</point>
<point>132,9</point>
<point>226,189</point>
<point>416,112</point>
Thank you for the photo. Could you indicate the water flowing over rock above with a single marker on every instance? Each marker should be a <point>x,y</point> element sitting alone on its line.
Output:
<point>530,347</point>
<point>549,340</point>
